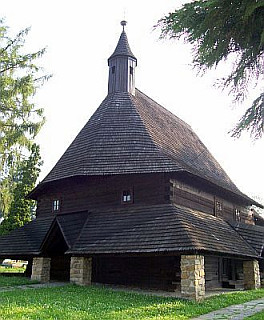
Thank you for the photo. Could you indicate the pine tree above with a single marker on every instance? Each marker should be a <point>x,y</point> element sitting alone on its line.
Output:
<point>22,209</point>
<point>217,30</point>
<point>20,119</point>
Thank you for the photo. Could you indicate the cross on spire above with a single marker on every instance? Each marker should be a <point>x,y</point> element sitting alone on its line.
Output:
<point>123,24</point>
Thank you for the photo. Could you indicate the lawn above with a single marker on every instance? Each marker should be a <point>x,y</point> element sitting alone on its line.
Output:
<point>257,316</point>
<point>14,281</point>
<point>74,302</point>
<point>11,270</point>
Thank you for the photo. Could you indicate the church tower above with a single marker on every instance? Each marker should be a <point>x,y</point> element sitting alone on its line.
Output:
<point>122,65</point>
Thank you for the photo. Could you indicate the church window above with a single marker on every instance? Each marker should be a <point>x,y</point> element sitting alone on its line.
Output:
<point>56,205</point>
<point>218,208</point>
<point>113,69</point>
<point>237,215</point>
<point>127,196</point>
<point>131,70</point>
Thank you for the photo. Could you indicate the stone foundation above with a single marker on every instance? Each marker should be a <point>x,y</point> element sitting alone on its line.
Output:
<point>41,269</point>
<point>81,271</point>
<point>192,277</point>
<point>251,274</point>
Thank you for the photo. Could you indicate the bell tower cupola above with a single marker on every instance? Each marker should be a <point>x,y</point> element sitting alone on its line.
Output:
<point>122,65</point>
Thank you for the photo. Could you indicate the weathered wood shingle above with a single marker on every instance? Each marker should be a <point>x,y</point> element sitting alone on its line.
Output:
<point>123,48</point>
<point>26,240</point>
<point>158,229</point>
<point>254,235</point>
<point>134,134</point>
<point>71,225</point>
<point>114,141</point>
<point>29,239</point>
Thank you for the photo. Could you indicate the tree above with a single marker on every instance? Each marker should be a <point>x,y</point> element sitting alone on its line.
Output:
<point>20,119</point>
<point>21,208</point>
<point>221,29</point>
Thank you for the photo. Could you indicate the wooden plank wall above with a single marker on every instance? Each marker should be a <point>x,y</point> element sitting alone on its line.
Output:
<point>212,277</point>
<point>87,194</point>
<point>199,199</point>
<point>223,272</point>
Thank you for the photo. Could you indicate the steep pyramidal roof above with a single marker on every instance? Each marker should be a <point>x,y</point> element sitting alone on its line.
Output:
<point>134,134</point>
<point>131,133</point>
<point>123,48</point>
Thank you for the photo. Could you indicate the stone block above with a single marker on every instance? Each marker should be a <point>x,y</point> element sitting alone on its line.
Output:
<point>41,269</point>
<point>81,270</point>
<point>251,274</point>
<point>192,277</point>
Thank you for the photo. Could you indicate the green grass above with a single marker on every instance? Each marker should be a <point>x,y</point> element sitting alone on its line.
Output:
<point>74,302</point>
<point>14,281</point>
<point>11,270</point>
<point>257,316</point>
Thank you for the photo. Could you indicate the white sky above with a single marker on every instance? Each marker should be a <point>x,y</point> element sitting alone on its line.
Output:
<point>80,35</point>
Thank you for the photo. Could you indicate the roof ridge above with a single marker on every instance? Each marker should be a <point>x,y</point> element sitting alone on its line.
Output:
<point>241,237</point>
<point>62,232</point>
<point>80,232</point>
<point>227,223</point>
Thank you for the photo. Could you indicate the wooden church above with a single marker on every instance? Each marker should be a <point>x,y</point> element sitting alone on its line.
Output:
<point>138,200</point>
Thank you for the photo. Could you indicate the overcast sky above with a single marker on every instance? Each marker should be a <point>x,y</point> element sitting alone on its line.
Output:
<point>80,35</point>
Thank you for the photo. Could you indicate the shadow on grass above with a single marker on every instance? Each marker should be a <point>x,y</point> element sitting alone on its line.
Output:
<point>14,281</point>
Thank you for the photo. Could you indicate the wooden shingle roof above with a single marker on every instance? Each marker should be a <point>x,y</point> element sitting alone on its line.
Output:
<point>114,141</point>
<point>26,240</point>
<point>29,239</point>
<point>134,134</point>
<point>71,225</point>
<point>158,229</point>
<point>254,235</point>
<point>123,48</point>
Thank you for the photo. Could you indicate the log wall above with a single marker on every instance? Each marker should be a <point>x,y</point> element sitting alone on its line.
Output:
<point>212,274</point>
<point>90,193</point>
<point>200,199</point>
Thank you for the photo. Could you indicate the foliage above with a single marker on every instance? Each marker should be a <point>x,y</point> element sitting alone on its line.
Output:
<point>221,29</point>
<point>20,119</point>
<point>21,208</point>
<point>74,302</point>
<point>257,316</point>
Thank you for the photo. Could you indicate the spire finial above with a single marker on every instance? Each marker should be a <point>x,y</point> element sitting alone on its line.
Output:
<point>123,24</point>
